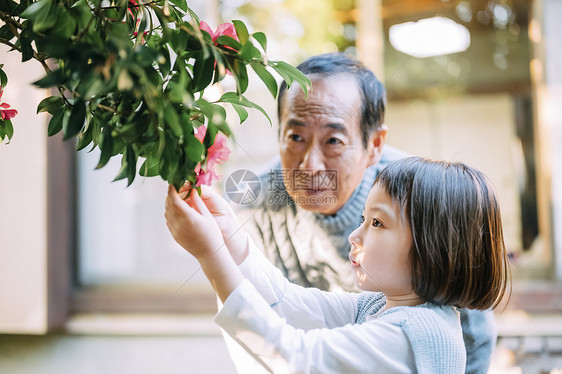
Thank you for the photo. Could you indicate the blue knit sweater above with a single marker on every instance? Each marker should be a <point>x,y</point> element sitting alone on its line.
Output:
<point>433,332</point>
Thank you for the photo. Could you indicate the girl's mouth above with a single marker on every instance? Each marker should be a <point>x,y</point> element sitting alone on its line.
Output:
<point>352,260</point>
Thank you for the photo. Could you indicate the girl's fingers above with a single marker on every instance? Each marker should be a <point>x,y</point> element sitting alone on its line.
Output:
<point>184,190</point>
<point>193,202</point>
<point>199,205</point>
<point>175,204</point>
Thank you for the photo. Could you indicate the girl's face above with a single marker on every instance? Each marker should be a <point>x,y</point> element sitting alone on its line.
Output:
<point>380,248</point>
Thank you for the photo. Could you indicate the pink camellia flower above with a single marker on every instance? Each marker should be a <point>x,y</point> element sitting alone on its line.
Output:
<point>216,154</point>
<point>224,29</point>
<point>6,113</point>
<point>205,177</point>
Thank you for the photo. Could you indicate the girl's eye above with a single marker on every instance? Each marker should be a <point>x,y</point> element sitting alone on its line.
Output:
<point>376,223</point>
<point>362,219</point>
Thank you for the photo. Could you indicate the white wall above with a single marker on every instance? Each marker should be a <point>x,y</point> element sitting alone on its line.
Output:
<point>550,118</point>
<point>23,225</point>
<point>478,130</point>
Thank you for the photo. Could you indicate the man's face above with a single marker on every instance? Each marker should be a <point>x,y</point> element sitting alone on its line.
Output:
<point>320,143</point>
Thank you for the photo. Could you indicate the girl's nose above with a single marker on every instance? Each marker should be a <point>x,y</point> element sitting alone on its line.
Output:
<point>355,237</point>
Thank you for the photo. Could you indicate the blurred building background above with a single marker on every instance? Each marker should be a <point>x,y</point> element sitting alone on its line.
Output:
<point>91,281</point>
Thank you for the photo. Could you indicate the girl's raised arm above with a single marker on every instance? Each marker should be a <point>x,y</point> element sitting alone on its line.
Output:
<point>192,225</point>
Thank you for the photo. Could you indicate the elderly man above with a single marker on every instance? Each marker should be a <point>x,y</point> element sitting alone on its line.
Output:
<point>331,149</point>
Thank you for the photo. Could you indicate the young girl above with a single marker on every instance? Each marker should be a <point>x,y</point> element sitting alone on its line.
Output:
<point>431,240</point>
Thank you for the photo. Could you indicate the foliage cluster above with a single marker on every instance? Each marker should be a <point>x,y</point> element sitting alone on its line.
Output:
<point>129,77</point>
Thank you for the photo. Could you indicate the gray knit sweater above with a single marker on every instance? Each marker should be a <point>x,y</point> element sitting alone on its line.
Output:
<point>312,249</point>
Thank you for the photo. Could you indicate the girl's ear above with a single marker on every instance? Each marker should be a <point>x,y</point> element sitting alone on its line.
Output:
<point>375,145</point>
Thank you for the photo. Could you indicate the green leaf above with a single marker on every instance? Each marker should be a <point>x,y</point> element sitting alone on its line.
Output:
<point>239,73</point>
<point>26,48</point>
<point>193,15</point>
<point>37,9</point>
<point>202,72</point>
<point>76,119</point>
<point>266,77</point>
<point>193,151</point>
<point>172,119</point>
<point>229,42</point>
<point>141,29</point>
<point>290,73</point>
<point>164,62</point>
<point>54,46</point>
<point>242,113</point>
<point>55,124</point>
<point>261,38</point>
<point>81,13</point>
<point>106,148</point>
<point>6,33</point>
<point>8,6</point>
<point>128,166</point>
<point>43,15</point>
<point>211,134</point>
<point>234,99</point>
<point>182,4</point>
<point>6,129</point>
<point>85,137</point>
<point>220,68</point>
<point>3,78</point>
<point>9,128</point>
<point>241,31</point>
<point>52,79</point>
<point>149,167</point>
<point>249,52</point>
<point>51,104</point>
<point>65,25</point>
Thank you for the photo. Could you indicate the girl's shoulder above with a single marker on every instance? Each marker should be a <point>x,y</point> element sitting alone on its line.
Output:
<point>422,313</point>
<point>433,331</point>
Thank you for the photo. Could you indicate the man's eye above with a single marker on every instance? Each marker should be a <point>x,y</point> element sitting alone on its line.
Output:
<point>376,223</point>
<point>334,141</point>
<point>295,137</point>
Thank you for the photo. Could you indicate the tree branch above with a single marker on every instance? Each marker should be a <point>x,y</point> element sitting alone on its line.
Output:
<point>9,20</point>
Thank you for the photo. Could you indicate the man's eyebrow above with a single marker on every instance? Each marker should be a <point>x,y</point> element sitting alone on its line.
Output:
<point>336,126</point>
<point>295,123</point>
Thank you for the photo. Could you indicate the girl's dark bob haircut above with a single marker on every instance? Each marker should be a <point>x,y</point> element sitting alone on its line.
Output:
<point>458,254</point>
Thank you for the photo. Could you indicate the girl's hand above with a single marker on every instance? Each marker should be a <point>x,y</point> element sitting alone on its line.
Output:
<point>236,239</point>
<point>234,236</point>
<point>194,228</point>
<point>192,225</point>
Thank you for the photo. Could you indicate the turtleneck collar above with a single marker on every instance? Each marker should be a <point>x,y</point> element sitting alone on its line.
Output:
<point>349,213</point>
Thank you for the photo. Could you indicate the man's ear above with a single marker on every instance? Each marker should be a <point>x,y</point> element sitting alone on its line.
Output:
<point>376,144</point>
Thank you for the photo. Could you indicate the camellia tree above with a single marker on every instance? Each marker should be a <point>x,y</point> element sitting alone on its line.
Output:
<point>129,77</point>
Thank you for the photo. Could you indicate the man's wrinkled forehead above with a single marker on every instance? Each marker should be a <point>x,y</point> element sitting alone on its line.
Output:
<point>329,96</point>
